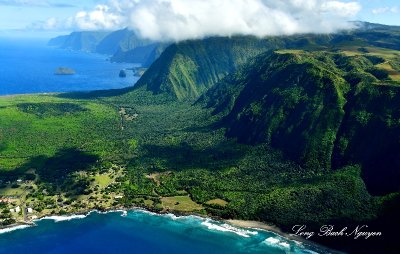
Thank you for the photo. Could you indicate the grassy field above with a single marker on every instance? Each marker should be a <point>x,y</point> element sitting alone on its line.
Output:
<point>390,58</point>
<point>103,180</point>
<point>393,74</point>
<point>217,201</point>
<point>180,203</point>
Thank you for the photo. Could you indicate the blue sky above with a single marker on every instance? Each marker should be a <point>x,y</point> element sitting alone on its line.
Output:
<point>52,17</point>
<point>17,16</point>
<point>380,11</point>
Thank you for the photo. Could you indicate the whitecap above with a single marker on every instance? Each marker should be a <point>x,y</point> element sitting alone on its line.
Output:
<point>63,218</point>
<point>185,217</point>
<point>140,210</point>
<point>284,244</point>
<point>271,240</point>
<point>7,230</point>
<point>228,228</point>
<point>277,243</point>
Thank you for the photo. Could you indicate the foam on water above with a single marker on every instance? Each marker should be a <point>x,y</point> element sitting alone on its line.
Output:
<point>211,225</point>
<point>63,218</point>
<point>277,243</point>
<point>7,230</point>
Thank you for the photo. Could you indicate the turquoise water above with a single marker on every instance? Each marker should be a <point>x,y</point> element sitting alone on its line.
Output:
<point>143,232</point>
<point>29,66</point>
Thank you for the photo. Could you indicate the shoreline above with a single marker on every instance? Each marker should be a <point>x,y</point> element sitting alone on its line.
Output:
<point>29,94</point>
<point>240,224</point>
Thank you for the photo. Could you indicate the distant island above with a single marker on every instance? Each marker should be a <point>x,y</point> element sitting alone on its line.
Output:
<point>64,71</point>
<point>122,74</point>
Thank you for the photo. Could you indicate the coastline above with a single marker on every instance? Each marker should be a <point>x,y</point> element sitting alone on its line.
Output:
<point>236,223</point>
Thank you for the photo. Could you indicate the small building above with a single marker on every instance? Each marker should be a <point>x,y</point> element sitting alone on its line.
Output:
<point>30,210</point>
<point>12,211</point>
<point>17,209</point>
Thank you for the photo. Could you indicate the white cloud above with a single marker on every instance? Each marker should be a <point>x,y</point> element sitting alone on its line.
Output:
<point>185,19</point>
<point>101,18</point>
<point>341,8</point>
<point>383,10</point>
<point>190,19</point>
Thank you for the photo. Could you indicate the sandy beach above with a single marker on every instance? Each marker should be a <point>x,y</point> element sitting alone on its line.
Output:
<point>264,226</point>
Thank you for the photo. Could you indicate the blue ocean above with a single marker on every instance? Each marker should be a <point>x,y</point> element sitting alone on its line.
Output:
<point>28,66</point>
<point>142,232</point>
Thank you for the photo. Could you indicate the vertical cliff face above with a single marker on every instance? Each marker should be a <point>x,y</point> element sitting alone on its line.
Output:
<point>292,101</point>
<point>122,40</point>
<point>186,70</point>
<point>370,135</point>
<point>323,110</point>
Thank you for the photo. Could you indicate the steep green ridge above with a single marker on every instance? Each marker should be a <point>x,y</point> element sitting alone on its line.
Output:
<point>369,135</point>
<point>189,68</point>
<point>319,108</point>
<point>121,40</point>
<point>292,101</point>
<point>185,70</point>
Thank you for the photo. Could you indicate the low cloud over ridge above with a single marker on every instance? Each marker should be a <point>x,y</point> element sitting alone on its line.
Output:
<point>190,19</point>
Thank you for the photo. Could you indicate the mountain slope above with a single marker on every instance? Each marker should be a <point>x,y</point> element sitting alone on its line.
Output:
<point>189,68</point>
<point>293,101</point>
<point>324,110</point>
<point>185,70</point>
<point>369,135</point>
<point>121,40</point>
